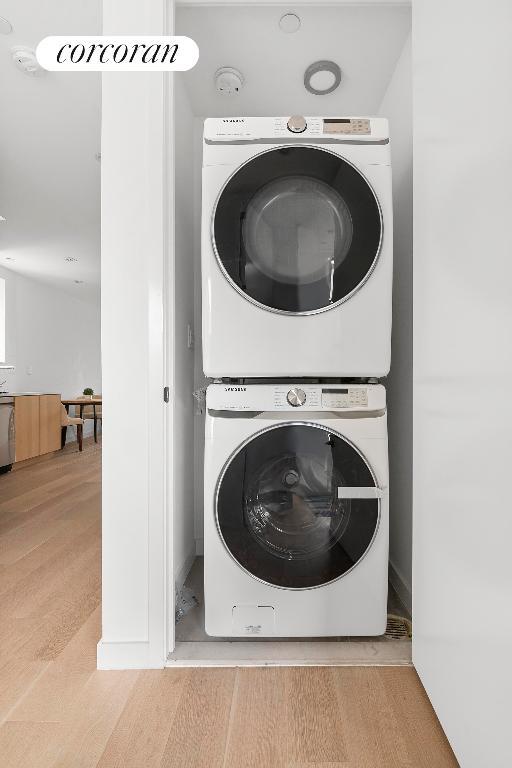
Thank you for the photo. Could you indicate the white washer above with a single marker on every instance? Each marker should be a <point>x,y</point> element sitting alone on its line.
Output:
<point>296,247</point>
<point>296,510</point>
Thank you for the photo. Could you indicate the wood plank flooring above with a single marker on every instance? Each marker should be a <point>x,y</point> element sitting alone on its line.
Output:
<point>58,711</point>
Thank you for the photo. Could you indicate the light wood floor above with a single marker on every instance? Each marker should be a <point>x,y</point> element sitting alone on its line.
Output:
<point>57,711</point>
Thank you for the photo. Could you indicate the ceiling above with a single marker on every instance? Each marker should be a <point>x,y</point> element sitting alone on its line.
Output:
<point>365,40</point>
<point>49,137</point>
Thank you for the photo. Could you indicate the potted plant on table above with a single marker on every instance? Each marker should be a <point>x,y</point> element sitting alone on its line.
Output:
<point>89,392</point>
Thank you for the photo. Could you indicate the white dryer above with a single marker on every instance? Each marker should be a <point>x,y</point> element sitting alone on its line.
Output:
<point>296,510</point>
<point>296,247</point>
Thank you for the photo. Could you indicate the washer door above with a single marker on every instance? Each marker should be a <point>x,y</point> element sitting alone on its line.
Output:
<point>297,230</point>
<point>279,510</point>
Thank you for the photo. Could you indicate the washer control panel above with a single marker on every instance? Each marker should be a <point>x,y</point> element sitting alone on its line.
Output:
<point>328,398</point>
<point>289,397</point>
<point>351,397</point>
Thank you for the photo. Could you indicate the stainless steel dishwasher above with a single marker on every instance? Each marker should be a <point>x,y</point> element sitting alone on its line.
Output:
<point>7,437</point>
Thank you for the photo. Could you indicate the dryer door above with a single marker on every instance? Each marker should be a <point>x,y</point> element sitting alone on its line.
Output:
<point>297,230</point>
<point>282,510</point>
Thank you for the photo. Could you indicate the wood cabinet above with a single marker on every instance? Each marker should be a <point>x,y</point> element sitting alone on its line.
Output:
<point>26,424</point>
<point>37,424</point>
<point>49,423</point>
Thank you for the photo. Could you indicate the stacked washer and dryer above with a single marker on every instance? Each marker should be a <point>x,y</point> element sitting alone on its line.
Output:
<point>297,279</point>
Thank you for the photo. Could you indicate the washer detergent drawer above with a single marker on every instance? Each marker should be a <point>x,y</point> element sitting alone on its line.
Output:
<point>253,620</point>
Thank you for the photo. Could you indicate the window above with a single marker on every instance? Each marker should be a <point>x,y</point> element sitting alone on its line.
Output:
<point>2,320</point>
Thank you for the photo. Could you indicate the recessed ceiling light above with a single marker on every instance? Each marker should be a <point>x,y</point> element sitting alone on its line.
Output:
<point>289,23</point>
<point>322,77</point>
<point>2,218</point>
<point>70,258</point>
<point>78,282</point>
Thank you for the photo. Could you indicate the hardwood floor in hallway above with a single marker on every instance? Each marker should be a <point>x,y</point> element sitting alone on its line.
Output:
<point>58,711</point>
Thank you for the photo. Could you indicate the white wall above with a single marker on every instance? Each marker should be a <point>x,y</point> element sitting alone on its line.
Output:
<point>58,339</point>
<point>462,575</point>
<point>53,339</point>
<point>183,286</point>
<point>10,329</point>
<point>397,107</point>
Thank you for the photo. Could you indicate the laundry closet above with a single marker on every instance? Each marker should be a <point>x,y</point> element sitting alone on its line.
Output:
<point>255,62</point>
<point>152,503</point>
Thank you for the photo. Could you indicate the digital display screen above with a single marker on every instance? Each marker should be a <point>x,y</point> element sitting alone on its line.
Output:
<point>334,391</point>
<point>359,126</point>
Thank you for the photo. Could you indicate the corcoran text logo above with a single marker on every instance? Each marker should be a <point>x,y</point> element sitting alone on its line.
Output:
<point>119,53</point>
<point>235,389</point>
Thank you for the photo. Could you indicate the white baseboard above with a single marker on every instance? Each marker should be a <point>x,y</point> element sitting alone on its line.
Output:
<point>401,586</point>
<point>134,654</point>
<point>285,653</point>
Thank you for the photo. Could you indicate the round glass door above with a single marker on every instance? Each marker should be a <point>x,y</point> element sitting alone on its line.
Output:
<point>279,512</point>
<point>297,230</point>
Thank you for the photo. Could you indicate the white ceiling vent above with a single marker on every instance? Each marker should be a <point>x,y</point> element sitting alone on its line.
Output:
<point>228,81</point>
<point>289,23</point>
<point>25,59</point>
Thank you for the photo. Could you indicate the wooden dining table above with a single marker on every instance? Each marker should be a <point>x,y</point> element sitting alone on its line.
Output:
<point>82,402</point>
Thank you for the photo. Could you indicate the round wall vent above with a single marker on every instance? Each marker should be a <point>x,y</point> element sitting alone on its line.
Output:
<point>228,81</point>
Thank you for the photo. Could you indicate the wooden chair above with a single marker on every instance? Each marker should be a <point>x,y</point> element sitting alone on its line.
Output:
<point>69,421</point>
<point>89,411</point>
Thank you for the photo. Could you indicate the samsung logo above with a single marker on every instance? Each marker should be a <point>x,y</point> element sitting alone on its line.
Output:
<point>235,389</point>
<point>233,120</point>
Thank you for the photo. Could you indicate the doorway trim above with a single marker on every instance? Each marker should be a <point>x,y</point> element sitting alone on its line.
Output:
<point>137,259</point>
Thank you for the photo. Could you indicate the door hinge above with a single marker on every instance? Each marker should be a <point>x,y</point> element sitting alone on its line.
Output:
<point>166,394</point>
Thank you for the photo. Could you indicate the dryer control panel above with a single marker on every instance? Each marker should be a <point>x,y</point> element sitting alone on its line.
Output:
<point>296,397</point>
<point>219,130</point>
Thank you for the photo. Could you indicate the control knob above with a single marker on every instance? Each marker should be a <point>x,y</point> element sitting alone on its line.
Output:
<point>296,397</point>
<point>297,124</point>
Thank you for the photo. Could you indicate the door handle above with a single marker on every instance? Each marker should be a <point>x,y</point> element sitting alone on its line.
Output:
<point>360,492</point>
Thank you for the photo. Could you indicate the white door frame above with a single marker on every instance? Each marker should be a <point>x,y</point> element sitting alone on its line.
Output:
<point>137,259</point>
<point>169,343</point>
